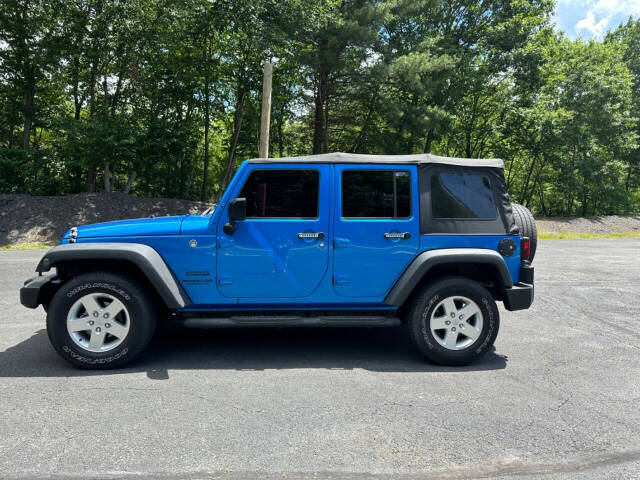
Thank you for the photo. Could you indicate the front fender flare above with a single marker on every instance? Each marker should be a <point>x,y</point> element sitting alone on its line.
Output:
<point>424,262</point>
<point>143,256</point>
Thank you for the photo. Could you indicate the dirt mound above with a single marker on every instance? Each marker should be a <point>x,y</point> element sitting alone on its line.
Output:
<point>28,219</point>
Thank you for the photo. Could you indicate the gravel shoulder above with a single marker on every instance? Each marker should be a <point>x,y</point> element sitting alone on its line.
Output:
<point>590,225</point>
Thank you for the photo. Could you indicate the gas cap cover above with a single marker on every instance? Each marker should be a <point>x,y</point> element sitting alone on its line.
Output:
<point>507,247</point>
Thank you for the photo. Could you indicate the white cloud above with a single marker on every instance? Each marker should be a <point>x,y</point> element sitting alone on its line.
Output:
<point>608,5</point>
<point>604,14</point>
<point>589,23</point>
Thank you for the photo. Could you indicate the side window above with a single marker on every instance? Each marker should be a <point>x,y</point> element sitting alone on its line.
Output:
<point>462,195</point>
<point>282,194</point>
<point>376,194</point>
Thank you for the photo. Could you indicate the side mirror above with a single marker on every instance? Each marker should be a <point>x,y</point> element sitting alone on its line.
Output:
<point>237,211</point>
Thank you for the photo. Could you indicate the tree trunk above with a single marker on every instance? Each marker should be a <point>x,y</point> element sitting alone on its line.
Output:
<point>535,183</point>
<point>325,129</point>
<point>207,102</point>
<point>106,176</point>
<point>467,146</point>
<point>77,102</point>
<point>28,111</point>
<point>132,177</point>
<point>428,141</point>
<point>237,125</point>
<point>321,115</point>
<point>470,127</point>
<point>91,172</point>
<point>362,135</point>
<point>184,163</point>
<point>542,204</point>
<point>319,125</point>
<point>280,142</point>
<point>76,169</point>
<point>91,179</point>
<point>92,89</point>
<point>11,129</point>
<point>525,188</point>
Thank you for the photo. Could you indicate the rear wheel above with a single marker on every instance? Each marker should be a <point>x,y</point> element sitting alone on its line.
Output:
<point>453,321</point>
<point>100,320</point>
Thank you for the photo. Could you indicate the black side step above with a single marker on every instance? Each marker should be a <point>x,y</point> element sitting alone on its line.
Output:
<point>291,321</point>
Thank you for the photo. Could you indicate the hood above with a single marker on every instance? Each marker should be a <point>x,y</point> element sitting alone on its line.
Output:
<point>131,228</point>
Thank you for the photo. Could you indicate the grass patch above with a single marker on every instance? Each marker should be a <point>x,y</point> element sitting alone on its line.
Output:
<point>544,235</point>
<point>25,246</point>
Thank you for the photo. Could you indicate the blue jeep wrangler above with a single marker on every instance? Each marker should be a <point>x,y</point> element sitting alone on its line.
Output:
<point>325,240</point>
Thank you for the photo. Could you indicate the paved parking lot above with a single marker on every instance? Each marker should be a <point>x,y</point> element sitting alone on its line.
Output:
<point>559,396</point>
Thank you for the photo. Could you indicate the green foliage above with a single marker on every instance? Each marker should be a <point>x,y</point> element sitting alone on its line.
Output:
<point>163,97</point>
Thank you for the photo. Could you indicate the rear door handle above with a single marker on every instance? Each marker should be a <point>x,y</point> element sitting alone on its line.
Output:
<point>401,235</point>
<point>341,242</point>
<point>305,235</point>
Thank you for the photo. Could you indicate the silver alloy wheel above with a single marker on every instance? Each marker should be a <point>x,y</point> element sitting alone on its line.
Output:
<point>98,322</point>
<point>456,322</point>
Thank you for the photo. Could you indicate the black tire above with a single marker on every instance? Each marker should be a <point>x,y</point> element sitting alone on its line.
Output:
<point>423,304</point>
<point>140,309</point>
<point>527,225</point>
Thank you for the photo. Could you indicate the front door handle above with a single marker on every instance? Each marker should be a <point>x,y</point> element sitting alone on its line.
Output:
<point>401,235</point>
<point>306,235</point>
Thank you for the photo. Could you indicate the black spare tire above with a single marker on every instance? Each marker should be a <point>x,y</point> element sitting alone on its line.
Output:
<point>527,225</point>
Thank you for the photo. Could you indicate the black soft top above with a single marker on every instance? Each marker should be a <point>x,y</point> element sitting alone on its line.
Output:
<point>418,159</point>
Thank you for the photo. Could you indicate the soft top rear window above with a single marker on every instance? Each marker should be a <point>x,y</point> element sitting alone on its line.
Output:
<point>462,196</point>
<point>464,200</point>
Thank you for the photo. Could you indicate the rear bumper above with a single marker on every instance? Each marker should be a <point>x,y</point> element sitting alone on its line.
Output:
<point>38,290</point>
<point>520,296</point>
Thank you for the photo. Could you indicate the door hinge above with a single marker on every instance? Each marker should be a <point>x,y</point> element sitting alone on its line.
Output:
<point>225,243</point>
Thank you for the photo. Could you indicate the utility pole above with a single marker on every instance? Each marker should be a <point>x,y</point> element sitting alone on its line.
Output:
<point>265,119</point>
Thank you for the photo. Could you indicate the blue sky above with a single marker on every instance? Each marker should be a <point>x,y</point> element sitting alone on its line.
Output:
<point>593,18</point>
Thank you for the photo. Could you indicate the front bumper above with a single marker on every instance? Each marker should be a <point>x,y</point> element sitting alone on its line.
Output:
<point>38,290</point>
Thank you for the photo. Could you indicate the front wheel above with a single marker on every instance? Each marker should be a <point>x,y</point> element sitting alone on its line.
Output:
<point>453,321</point>
<point>100,320</point>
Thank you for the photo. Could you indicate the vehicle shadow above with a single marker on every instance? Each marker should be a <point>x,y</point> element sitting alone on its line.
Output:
<point>375,349</point>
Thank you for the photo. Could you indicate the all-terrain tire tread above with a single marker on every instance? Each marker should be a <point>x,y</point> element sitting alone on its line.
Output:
<point>526,224</point>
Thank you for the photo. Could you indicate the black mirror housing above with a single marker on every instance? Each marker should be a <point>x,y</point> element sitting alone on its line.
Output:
<point>238,209</point>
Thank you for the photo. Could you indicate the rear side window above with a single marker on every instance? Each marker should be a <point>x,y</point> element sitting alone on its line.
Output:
<point>282,194</point>
<point>376,194</point>
<point>462,195</point>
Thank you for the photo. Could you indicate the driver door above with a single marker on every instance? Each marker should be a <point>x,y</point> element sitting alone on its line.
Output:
<point>281,249</point>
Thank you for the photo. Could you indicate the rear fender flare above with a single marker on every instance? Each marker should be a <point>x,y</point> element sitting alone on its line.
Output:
<point>143,256</point>
<point>425,261</point>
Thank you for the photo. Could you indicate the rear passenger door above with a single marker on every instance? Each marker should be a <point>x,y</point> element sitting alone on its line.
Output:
<point>376,227</point>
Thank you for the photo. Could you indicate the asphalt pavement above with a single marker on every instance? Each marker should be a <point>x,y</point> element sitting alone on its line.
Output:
<point>559,397</point>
